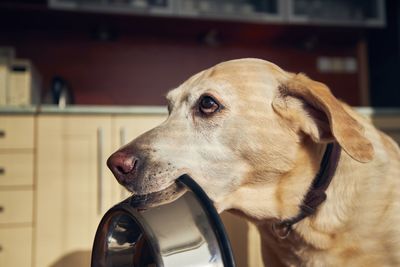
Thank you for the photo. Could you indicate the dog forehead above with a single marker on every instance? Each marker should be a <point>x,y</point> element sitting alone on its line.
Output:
<point>249,78</point>
<point>244,77</point>
<point>246,67</point>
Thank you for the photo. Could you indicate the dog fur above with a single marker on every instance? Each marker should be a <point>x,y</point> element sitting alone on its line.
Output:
<point>258,154</point>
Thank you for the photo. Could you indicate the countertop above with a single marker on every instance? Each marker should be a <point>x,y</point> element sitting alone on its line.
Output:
<point>142,110</point>
<point>82,109</point>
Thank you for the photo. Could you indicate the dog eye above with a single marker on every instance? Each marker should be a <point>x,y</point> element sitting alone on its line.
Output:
<point>208,105</point>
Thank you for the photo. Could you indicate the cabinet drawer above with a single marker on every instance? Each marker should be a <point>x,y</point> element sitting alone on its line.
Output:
<point>16,169</point>
<point>16,132</point>
<point>16,206</point>
<point>16,246</point>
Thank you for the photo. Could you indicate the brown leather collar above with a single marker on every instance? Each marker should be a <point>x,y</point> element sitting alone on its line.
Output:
<point>316,194</point>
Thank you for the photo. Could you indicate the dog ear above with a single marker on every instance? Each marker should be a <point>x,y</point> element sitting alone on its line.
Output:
<point>311,108</point>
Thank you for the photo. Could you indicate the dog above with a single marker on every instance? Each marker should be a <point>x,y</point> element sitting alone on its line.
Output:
<point>256,139</point>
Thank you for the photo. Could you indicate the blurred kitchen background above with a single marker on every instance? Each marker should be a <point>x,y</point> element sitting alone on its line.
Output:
<point>79,78</point>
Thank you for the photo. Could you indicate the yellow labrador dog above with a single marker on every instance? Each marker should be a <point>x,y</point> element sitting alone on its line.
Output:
<point>320,182</point>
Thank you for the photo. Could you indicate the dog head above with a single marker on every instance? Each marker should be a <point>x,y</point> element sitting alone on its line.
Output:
<point>241,124</point>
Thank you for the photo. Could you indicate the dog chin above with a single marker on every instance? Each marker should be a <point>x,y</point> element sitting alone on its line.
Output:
<point>138,191</point>
<point>164,195</point>
<point>142,190</point>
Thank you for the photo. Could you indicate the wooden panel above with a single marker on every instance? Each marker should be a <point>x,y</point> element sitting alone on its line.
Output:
<point>16,169</point>
<point>71,197</point>
<point>16,206</point>
<point>16,132</point>
<point>16,246</point>
<point>254,246</point>
<point>245,240</point>
<point>237,229</point>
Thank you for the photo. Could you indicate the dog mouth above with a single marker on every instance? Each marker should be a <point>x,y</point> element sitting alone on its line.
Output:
<point>163,196</point>
<point>148,183</point>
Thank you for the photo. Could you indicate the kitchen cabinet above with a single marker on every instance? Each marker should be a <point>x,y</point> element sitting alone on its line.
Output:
<point>125,7</point>
<point>369,13</point>
<point>16,189</point>
<point>259,11</point>
<point>74,187</point>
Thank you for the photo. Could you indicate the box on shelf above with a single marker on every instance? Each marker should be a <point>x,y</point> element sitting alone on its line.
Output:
<point>23,84</point>
<point>3,81</point>
<point>7,54</point>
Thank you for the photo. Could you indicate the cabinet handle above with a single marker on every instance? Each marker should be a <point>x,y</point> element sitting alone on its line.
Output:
<point>1,248</point>
<point>100,136</point>
<point>122,136</point>
<point>2,133</point>
<point>1,209</point>
<point>2,171</point>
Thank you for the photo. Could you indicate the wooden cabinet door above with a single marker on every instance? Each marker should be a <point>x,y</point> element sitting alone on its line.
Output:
<point>128,127</point>
<point>74,187</point>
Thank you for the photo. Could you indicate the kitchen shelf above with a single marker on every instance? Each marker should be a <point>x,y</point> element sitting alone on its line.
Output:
<point>369,13</point>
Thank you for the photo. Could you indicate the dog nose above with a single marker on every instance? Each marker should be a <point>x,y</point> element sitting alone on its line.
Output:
<point>122,165</point>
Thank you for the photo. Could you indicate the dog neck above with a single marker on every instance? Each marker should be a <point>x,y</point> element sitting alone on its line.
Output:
<point>316,194</point>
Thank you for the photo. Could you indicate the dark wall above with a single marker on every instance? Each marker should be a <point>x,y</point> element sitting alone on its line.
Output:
<point>125,60</point>
<point>384,59</point>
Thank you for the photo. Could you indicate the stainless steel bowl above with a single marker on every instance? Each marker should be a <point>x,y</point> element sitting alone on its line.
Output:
<point>177,227</point>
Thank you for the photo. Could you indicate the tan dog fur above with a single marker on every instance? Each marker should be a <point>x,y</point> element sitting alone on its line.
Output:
<point>259,154</point>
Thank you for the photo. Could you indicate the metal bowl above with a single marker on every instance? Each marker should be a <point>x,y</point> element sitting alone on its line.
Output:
<point>177,227</point>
